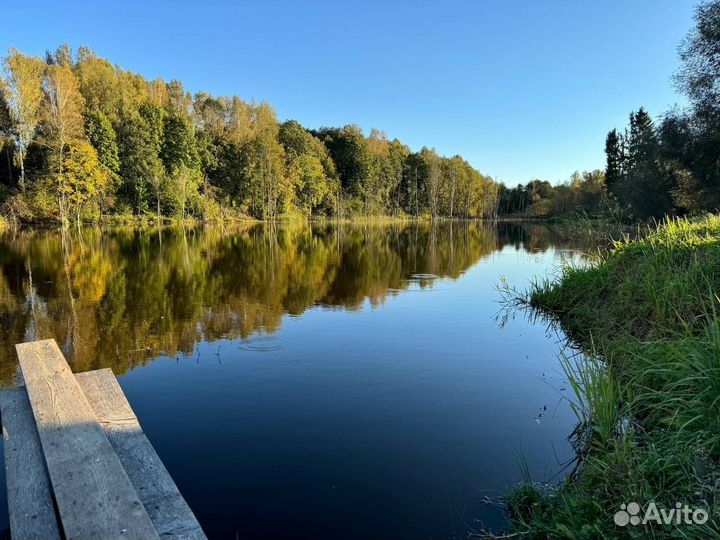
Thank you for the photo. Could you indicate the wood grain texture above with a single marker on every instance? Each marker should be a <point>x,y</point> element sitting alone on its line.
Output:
<point>30,505</point>
<point>94,495</point>
<point>169,512</point>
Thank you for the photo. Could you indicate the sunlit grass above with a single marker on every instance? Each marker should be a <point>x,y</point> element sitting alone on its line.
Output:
<point>647,392</point>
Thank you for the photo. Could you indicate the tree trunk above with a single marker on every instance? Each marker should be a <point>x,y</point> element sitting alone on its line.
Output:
<point>9,163</point>
<point>452,194</point>
<point>63,211</point>
<point>416,193</point>
<point>61,177</point>
<point>205,197</point>
<point>22,173</point>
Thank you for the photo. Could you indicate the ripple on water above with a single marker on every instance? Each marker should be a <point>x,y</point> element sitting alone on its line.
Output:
<point>424,276</point>
<point>262,344</point>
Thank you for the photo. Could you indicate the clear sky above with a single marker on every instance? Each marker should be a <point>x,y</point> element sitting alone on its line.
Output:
<point>521,89</point>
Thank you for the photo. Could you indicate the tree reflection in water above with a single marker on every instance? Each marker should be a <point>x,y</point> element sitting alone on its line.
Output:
<point>119,297</point>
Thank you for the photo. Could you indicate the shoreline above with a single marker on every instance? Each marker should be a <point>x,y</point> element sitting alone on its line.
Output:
<point>152,220</point>
<point>645,390</point>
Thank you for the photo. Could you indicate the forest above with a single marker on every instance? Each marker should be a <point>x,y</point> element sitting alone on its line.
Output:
<point>83,138</point>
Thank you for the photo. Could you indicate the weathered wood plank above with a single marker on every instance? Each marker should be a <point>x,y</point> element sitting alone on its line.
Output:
<point>30,505</point>
<point>94,495</point>
<point>166,507</point>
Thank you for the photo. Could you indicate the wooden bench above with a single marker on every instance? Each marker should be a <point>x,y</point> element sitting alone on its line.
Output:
<point>77,462</point>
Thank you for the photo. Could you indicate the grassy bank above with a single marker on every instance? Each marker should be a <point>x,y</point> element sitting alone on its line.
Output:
<point>647,394</point>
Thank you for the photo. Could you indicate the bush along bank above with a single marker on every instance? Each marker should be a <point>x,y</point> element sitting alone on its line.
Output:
<point>646,393</point>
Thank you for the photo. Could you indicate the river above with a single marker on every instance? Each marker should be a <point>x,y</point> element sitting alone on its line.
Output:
<point>333,381</point>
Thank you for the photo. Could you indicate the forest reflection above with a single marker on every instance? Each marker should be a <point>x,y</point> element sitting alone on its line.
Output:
<point>116,298</point>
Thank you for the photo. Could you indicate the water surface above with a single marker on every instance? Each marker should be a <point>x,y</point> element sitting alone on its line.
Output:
<point>325,382</point>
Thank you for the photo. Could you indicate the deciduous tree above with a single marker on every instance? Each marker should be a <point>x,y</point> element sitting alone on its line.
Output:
<point>24,97</point>
<point>64,125</point>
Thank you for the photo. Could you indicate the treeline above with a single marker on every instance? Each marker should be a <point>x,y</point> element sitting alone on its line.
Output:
<point>653,168</point>
<point>83,138</point>
<point>584,193</point>
<point>673,166</point>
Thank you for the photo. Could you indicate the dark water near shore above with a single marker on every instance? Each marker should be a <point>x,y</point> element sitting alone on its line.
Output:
<point>329,382</point>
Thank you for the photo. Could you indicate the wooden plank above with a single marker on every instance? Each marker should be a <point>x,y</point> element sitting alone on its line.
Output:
<point>170,514</point>
<point>94,495</point>
<point>29,497</point>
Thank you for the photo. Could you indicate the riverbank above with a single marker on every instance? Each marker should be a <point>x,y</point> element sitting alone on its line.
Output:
<point>647,395</point>
<point>9,219</point>
<point>573,223</point>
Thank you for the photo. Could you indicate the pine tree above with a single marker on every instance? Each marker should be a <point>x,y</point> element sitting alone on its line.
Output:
<point>614,160</point>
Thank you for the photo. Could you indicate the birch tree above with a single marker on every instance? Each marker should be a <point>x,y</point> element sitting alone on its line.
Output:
<point>64,123</point>
<point>23,94</point>
<point>6,138</point>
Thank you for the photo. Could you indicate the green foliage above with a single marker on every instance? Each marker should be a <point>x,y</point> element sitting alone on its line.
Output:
<point>699,77</point>
<point>23,100</point>
<point>182,190</point>
<point>142,173</point>
<point>178,148</point>
<point>6,140</point>
<point>165,152</point>
<point>351,154</point>
<point>634,165</point>
<point>386,171</point>
<point>87,180</point>
<point>309,167</point>
<point>585,193</point>
<point>265,184</point>
<point>102,136</point>
<point>614,154</point>
<point>307,177</point>
<point>146,132</point>
<point>672,168</point>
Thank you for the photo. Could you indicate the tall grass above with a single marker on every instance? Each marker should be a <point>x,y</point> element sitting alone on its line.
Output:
<point>646,393</point>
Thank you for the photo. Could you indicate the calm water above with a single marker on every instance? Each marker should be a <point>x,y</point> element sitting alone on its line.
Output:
<point>339,381</point>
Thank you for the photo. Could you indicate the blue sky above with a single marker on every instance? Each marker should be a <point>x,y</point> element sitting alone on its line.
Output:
<point>521,89</point>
